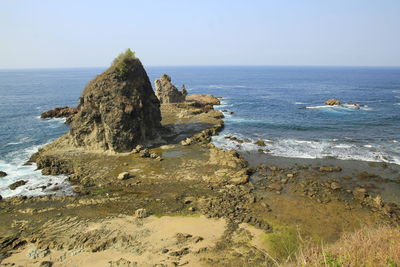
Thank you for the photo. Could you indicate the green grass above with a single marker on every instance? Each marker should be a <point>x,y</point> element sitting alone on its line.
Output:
<point>283,243</point>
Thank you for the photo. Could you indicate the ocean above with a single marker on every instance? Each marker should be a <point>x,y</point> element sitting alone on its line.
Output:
<point>282,105</point>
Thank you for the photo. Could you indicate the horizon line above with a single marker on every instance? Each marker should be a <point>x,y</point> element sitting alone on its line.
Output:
<point>214,65</point>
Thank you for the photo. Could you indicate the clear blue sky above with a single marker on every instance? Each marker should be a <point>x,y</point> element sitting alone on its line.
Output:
<point>72,33</point>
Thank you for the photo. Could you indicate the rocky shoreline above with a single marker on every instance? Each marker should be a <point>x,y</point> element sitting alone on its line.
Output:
<point>177,200</point>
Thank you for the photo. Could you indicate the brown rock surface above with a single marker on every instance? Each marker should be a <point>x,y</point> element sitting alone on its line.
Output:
<point>118,110</point>
<point>59,112</point>
<point>203,99</point>
<point>167,92</point>
<point>332,102</point>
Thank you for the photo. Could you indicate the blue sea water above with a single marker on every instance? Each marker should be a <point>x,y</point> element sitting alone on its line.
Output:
<point>282,105</point>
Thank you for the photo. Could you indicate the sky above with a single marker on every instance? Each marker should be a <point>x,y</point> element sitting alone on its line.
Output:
<point>90,33</point>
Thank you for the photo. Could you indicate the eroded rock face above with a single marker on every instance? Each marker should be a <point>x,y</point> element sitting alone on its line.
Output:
<point>167,92</point>
<point>59,112</point>
<point>118,110</point>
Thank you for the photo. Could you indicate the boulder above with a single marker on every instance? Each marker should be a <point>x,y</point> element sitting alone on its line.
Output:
<point>167,92</point>
<point>118,109</point>
<point>230,158</point>
<point>203,99</point>
<point>123,176</point>
<point>3,174</point>
<point>332,102</point>
<point>335,185</point>
<point>17,184</point>
<point>141,213</point>
<point>260,143</point>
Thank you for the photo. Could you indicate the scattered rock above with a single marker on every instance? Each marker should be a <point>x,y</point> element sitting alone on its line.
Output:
<point>3,174</point>
<point>332,102</point>
<point>145,153</point>
<point>141,213</point>
<point>330,169</point>
<point>290,175</point>
<point>123,176</point>
<point>37,253</point>
<point>153,155</point>
<point>122,263</point>
<point>46,264</point>
<point>192,209</point>
<point>167,92</point>
<point>19,183</point>
<point>359,193</point>
<point>335,185</point>
<point>229,158</point>
<point>275,187</point>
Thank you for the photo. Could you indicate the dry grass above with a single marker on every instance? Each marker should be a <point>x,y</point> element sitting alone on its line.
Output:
<point>365,247</point>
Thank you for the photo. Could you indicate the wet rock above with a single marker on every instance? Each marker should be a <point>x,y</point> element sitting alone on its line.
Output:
<point>153,155</point>
<point>145,153</point>
<point>335,186</point>
<point>359,193</point>
<point>1,197</point>
<point>167,92</point>
<point>141,213</point>
<point>330,169</point>
<point>260,143</point>
<point>123,176</point>
<point>17,184</point>
<point>332,102</point>
<point>51,165</point>
<point>117,110</point>
<point>3,174</point>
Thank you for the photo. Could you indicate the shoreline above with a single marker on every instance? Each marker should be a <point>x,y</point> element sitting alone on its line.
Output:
<point>193,179</point>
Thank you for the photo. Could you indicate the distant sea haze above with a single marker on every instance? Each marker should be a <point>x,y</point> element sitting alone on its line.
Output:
<point>282,105</point>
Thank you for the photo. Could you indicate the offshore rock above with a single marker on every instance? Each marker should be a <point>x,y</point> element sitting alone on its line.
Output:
<point>332,102</point>
<point>167,92</point>
<point>3,174</point>
<point>118,110</point>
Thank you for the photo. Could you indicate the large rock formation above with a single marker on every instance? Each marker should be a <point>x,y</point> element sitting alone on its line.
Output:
<point>167,92</point>
<point>117,110</point>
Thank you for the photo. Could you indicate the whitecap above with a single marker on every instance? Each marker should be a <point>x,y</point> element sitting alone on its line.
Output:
<point>21,141</point>
<point>299,103</point>
<point>14,166</point>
